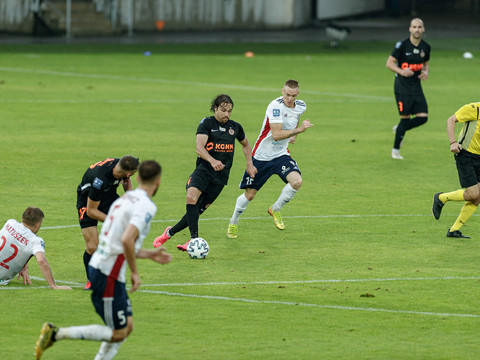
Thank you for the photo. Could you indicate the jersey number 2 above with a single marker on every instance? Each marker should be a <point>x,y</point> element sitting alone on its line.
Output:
<point>3,263</point>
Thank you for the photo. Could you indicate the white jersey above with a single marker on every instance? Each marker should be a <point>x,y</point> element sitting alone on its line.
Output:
<point>17,244</point>
<point>134,207</point>
<point>265,148</point>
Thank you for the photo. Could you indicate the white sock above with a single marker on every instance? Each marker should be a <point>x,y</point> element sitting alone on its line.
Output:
<point>286,195</point>
<point>108,350</point>
<point>88,332</point>
<point>240,206</point>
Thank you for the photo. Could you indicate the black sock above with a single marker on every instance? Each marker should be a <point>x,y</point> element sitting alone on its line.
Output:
<point>86,260</point>
<point>192,218</point>
<point>400,133</point>
<point>182,224</point>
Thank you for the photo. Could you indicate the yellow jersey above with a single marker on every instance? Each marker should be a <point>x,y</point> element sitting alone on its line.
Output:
<point>469,137</point>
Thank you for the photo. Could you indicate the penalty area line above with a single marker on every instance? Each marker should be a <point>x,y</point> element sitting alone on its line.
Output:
<point>335,307</point>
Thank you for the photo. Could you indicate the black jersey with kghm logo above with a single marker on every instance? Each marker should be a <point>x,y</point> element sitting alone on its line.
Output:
<point>220,143</point>
<point>413,57</point>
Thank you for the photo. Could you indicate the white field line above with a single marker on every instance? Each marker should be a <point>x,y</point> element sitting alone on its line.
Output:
<point>183,82</point>
<point>336,307</point>
<point>264,217</point>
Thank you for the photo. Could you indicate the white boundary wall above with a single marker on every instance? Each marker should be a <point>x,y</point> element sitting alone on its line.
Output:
<point>16,16</point>
<point>330,9</point>
<point>217,14</point>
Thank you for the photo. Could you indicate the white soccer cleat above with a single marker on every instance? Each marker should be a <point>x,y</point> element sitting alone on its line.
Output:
<point>396,154</point>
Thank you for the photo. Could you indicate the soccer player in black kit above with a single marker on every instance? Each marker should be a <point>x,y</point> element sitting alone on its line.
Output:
<point>215,144</point>
<point>95,194</point>
<point>409,62</point>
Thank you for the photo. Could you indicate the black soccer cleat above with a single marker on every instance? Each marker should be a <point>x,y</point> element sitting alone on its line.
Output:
<point>437,206</point>
<point>456,234</point>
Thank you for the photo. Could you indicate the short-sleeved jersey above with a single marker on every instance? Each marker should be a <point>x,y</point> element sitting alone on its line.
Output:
<point>413,57</point>
<point>469,137</point>
<point>220,145</point>
<point>265,147</point>
<point>17,244</point>
<point>134,207</point>
<point>98,182</point>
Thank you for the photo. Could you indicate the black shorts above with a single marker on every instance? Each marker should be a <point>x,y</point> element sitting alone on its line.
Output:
<point>110,299</point>
<point>86,221</point>
<point>203,181</point>
<point>410,104</point>
<point>468,167</point>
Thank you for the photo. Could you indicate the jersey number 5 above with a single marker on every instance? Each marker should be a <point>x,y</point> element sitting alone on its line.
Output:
<point>3,263</point>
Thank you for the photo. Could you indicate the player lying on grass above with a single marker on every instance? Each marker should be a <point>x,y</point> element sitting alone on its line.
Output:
<point>18,243</point>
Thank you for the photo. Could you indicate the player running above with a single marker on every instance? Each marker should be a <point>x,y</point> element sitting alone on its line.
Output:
<point>215,146</point>
<point>409,62</point>
<point>121,238</point>
<point>95,194</point>
<point>271,155</point>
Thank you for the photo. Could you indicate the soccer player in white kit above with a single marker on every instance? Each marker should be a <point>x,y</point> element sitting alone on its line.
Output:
<point>18,243</point>
<point>121,238</point>
<point>271,156</point>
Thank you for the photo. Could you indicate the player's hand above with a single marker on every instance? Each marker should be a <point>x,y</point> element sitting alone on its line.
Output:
<point>292,139</point>
<point>62,287</point>
<point>24,274</point>
<point>455,147</point>
<point>423,75</point>
<point>136,282</point>
<point>252,171</point>
<point>161,256</point>
<point>306,124</point>
<point>407,72</point>
<point>217,165</point>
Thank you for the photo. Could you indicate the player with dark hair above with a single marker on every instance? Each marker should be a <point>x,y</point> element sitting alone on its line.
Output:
<point>19,243</point>
<point>467,157</point>
<point>271,156</point>
<point>121,238</point>
<point>215,144</point>
<point>95,195</point>
<point>409,62</point>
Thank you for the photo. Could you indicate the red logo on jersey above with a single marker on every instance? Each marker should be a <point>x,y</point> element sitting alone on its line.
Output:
<point>413,67</point>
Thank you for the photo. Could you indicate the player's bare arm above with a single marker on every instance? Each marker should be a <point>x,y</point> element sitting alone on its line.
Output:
<point>279,134</point>
<point>93,212</point>
<point>247,151</point>
<point>47,271</point>
<point>392,65</point>
<point>201,142</point>
<point>454,146</point>
<point>128,242</point>
<point>159,255</point>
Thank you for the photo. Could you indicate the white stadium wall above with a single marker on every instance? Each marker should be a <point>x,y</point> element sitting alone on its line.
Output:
<point>330,9</point>
<point>217,14</point>
<point>16,16</point>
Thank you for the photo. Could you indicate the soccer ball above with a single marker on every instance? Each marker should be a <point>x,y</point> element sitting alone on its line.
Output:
<point>198,248</point>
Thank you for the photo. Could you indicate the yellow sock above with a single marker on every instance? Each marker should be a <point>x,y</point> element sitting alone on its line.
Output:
<point>456,195</point>
<point>467,211</point>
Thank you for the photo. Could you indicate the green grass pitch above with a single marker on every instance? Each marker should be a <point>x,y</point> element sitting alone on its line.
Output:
<point>362,270</point>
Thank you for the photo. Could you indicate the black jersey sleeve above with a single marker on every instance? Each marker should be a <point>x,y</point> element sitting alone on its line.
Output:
<point>240,133</point>
<point>204,127</point>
